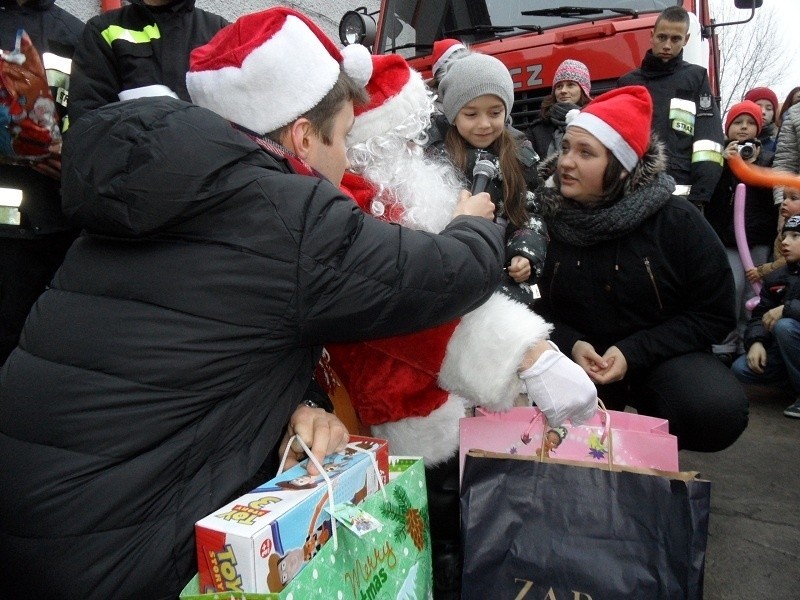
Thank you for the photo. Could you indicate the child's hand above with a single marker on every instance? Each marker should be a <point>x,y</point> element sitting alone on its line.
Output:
<point>757,358</point>
<point>752,275</point>
<point>771,317</point>
<point>731,149</point>
<point>519,269</point>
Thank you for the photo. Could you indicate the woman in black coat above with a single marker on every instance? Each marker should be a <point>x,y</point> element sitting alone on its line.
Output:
<point>636,282</point>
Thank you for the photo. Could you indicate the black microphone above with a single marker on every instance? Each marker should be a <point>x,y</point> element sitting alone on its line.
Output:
<point>483,173</point>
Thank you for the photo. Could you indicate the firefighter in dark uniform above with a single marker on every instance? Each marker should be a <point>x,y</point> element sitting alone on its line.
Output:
<point>34,235</point>
<point>685,115</point>
<point>139,50</point>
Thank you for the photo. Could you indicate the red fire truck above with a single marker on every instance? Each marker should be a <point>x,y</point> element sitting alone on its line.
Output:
<point>532,37</point>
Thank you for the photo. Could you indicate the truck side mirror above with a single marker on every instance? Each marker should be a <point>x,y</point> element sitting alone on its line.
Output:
<point>745,4</point>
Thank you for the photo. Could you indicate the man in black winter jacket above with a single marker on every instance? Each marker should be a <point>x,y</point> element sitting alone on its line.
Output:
<point>173,350</point>
<point>141,49</point>
<point>685,115</point>
<point>34,235</point>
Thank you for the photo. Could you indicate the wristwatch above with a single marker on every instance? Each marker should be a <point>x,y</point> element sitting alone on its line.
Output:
<point>310,403</point>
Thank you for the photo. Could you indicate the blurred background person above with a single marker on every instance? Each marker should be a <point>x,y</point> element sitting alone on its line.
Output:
<point>141,49</point>
<point>572,88</point>
<point>34,234</point>
<point>768,101</point>
<point>742,129</point>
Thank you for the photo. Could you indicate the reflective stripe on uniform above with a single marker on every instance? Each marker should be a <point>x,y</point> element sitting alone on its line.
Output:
<point>145,36</point>
<point>682,115</point>
<point>59,63</point>
<point>707,151</point>
<point>10,200</point>
<point>682,190</point>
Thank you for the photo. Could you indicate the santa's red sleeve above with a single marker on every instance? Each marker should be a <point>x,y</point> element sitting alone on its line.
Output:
<point>392,384</point>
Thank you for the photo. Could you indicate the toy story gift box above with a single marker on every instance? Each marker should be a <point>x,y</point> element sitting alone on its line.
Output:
<point>261,540</point>
<point>390,563</point>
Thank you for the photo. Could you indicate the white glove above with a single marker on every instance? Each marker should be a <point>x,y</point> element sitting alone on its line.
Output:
<point>560,388</point>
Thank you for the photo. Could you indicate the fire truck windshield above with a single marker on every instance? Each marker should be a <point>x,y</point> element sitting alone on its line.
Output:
<point>409,27</point>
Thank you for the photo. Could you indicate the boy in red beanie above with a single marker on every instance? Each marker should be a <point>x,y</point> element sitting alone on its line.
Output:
<point>742,127</point>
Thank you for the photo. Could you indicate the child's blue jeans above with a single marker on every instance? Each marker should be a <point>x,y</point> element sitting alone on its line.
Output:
<point>783,358</point>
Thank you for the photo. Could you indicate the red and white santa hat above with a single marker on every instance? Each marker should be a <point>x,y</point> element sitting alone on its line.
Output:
<point>270,67</point>
<point>621,120</point>
<point>442,51</point>
<point>397,92</point>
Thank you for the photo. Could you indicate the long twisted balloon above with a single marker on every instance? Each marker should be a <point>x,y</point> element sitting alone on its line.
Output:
<point>759,177</point>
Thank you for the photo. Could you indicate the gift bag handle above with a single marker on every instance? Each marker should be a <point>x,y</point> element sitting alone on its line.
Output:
<point>322,472</point>
<point>606,437</point>
<point>327,479</point>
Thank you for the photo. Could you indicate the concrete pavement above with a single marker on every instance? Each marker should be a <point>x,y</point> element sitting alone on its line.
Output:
<point>754,529</point>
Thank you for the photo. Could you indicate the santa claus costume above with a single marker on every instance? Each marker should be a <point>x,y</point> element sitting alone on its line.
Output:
<point>413,389</point>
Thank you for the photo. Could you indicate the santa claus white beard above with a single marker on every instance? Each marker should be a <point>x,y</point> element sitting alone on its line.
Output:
<point>427,189</point>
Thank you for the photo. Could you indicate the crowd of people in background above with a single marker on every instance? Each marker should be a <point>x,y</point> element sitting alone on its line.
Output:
<point>600,259</point>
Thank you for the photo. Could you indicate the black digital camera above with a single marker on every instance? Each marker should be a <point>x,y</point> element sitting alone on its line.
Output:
<point>747,150</point>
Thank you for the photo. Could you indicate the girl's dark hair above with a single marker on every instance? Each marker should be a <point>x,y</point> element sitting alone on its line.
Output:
<point>613,182</point>
<point>323,116</point>
<point>787,104</point>
<point>505,148</point>
<point>550,99</point>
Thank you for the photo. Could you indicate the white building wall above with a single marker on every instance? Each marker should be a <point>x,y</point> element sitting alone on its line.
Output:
<point>326,13</point>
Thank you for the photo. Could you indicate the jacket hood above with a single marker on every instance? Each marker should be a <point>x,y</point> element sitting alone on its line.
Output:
<point>175,3</point>
<point>646,171</point>
<point>138,167</point>
<point>31,4</point>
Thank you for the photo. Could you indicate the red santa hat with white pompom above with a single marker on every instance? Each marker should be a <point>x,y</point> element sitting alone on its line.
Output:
<point>268,68</point>
<point>397,93</point>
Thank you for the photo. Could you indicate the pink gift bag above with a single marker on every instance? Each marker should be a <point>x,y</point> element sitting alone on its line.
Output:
<point>638,440</point>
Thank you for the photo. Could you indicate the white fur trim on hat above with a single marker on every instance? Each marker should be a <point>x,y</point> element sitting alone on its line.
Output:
<point>357,63</point>
<point>454,47</point>
<point>609,137</point>
<point>410,100</point>
<point>277,82</point>
<point>486,349</point>
<point>435,436</point>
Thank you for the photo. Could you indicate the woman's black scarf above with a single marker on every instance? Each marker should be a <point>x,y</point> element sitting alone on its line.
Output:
<point>647,189</point>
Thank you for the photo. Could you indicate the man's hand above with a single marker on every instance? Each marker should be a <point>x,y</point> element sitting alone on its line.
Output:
<point>519,269</point>
<point>771,317</point>
<point>479,205</point>
<point>321,431</point>
<point>757,358</point>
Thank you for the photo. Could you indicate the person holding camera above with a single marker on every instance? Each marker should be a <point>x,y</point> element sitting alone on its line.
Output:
<point>742,127</point>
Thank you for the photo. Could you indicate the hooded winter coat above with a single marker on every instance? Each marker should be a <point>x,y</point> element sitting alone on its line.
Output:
<point>157,374</point>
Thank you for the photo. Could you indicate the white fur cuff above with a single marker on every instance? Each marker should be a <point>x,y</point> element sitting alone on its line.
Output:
<point>435,437</point>
<point>486,349</point>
